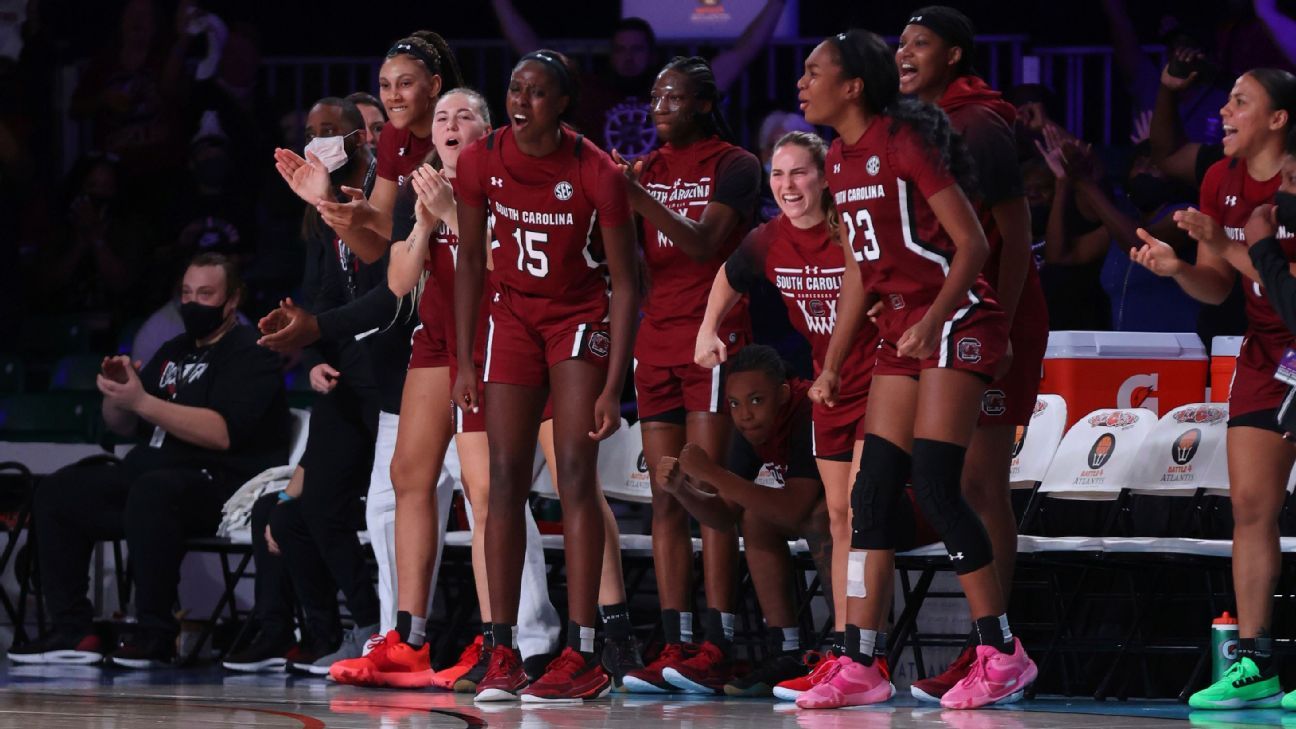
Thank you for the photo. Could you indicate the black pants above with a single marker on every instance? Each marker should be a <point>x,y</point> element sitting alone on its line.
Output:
<point>155,512</point>
<point>338,460</point>
<point>275,589</point>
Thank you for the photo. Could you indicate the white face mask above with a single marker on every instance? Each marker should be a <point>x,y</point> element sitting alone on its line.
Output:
<point>330,150</point>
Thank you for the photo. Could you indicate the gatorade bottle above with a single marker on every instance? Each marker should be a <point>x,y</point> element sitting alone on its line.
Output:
<point>1224,645</point>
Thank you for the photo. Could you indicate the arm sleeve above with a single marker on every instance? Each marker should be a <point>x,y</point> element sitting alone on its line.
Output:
<point>609,192</point>
<point>468,187</point>
<point>1275,274</point>
<point>742,459</point>
<point>746,266</point>
<point>738,181</point>
<point>403,213</point>
<point>375,309</point>
<point>913,160</point>
<point>994,150</point>
<point>244,390</point>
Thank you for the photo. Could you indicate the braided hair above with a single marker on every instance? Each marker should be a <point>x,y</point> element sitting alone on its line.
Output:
<point>434,52</point>
<point>865,56</point>
<point>703,81</point>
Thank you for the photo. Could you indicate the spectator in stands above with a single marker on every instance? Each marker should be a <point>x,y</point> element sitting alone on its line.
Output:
<point>1075,243</point>
<point>93,265</point>
<point>1037,107</point>
<point>210,412</point>
<point>614,111</point>
<point>374,114</point>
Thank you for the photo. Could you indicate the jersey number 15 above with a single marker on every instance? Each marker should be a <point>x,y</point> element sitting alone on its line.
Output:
<point>531,258</point>
<point>863,222</point>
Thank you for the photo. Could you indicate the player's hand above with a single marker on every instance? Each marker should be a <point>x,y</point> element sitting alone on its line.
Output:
<point>1262,224</point>
<point>709,350</point>
<point>323,378</point>
<point>1156,255</point>
<point>921,340</point>
<point>351,215</point>
<point>271,544</point>
<point>695,460</point>
<point>631,170</point>
<point>607,415</point>
<point>669,475</point>
<point>1203,229</point>
<point>301,330</point>
<point>465,392</point>
<point>875,311</point>
<point>824,389</point>
<point>434,191</point>
<point>114,368</point>
<point>274,321</point>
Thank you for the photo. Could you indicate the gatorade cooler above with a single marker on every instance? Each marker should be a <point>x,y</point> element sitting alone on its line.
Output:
<point>1092,370</point>
<point>1224,354</point>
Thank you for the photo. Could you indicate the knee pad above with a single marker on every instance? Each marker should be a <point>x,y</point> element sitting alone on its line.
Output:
<point>884,468</point>
<point>937,476</point>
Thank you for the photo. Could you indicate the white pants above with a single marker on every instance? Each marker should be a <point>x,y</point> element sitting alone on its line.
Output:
<point>538,622</point>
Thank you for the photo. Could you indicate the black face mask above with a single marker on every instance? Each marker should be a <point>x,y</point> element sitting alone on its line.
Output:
<point>199,320</point>
<point>1148,192</point>
<point>342,175</point>
<point>1286,213</point>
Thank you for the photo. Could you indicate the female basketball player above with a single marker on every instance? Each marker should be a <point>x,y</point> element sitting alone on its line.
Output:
<point>554,328</point>
<point>1257,120</point>
<point>943,338</point>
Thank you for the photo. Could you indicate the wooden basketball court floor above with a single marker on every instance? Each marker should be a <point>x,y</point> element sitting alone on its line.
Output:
<point>48,697</point>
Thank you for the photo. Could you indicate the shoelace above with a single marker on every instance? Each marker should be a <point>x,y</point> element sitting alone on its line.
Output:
<point>978,669</point>
<point>671,653</point>
<point>1235,672</point>
<point>567,662</point>
<point>829,673</point>
<point>826,663</point>
<point>374,641</point>
<point>707,653</point>
<point>501,661</point>
<point>963,662</point>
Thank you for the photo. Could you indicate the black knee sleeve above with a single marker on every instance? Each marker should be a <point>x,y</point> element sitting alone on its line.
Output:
<point>937,476</point>
<point>884,468</point>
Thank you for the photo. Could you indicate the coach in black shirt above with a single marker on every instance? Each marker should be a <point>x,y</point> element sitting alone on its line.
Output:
<point>210,412</point>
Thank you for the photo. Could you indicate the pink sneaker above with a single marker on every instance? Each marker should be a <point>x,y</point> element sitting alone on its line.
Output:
<point>995,678</point>
<point>848,684</point>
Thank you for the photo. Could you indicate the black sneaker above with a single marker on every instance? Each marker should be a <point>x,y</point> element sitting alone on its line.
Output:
<point>59,649</point>
<point>267,651</point>
<point>145,651</point>
<point>619,658</point>
<point>467,684</point>
<point>761,682</point>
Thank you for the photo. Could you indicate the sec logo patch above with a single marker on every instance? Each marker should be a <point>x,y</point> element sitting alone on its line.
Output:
<point>564,190</point>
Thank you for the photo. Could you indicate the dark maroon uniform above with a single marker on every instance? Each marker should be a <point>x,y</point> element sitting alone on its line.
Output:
<point>806,266</point>
<point>880,186</point>
<point>1229,194</point>
<point>400,153</point>
<point>551,297</point>
<point>985,120</point>
<point>686,180</point>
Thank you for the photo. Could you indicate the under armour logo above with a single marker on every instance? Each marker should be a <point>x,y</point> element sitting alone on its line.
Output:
<point>497,182</point>
<point>956,556</point>
<point>1230,200</point>
<point>836,169</point>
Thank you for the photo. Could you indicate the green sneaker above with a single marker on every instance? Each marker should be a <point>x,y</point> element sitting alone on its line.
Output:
<point>1289,701</point>
<point>1241,688</point>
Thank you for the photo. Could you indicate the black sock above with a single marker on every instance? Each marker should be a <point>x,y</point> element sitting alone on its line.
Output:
<point>993,630</point>
<point>837,642</point>
<point>713,627</point>
<point>856,638</point>
<point>671,626</point>
<point>504,634</point>
<point>1260,650</point>
<point>403,620</point>
<point>880,646</point>
<point>616,622</point>
<point>580,639</point>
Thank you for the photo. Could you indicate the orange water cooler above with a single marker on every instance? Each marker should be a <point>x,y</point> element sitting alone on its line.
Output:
<point>1224,354</point>
<point>1092,370</point>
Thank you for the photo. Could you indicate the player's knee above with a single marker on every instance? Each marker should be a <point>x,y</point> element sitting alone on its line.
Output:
<point>937,471</point>
<point>884,467</point>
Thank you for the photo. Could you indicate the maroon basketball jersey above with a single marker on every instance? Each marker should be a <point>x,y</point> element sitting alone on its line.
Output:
<point>545,212</point>
<point>806,266</point>
<point>684,180</point>
<point>880,187</point>
<point>1229,194</point>
<point>400,153</point>
<point>436,308</point>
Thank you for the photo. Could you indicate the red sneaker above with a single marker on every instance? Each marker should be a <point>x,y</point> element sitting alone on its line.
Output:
<point>706,672</point>
<point>569,679</point>
<point>446,677</point>
<point>818,663</point>
<point>648,680</point>
<point>504,678</point>
<point>393,663</point>
<point>932,689</point>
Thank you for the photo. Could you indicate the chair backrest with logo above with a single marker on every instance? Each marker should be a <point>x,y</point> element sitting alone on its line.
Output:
<point>1099,455</point>
<point>1035,446</point>
<point>1181,453</point>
